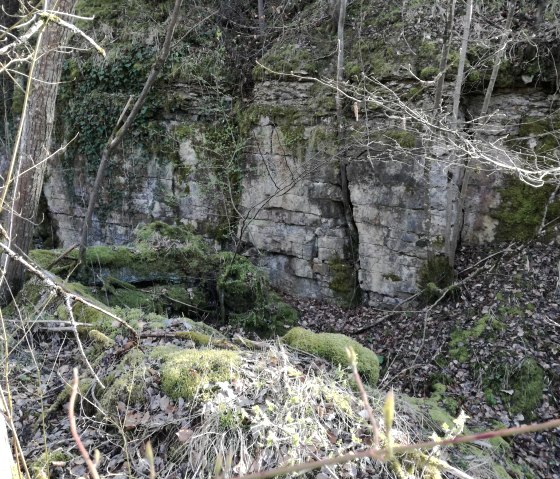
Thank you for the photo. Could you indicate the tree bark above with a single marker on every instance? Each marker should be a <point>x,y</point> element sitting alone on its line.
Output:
<point>444,54</point>
<point>541,8</point>
<point>260,13</point>
<point>119,133</point>
<point>7,19</point>
<point>34,147</point>
<point>464,171</point>
<point>454,218</point>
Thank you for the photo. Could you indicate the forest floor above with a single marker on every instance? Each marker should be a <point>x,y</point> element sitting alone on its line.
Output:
<point>473,345</point>
<point>507,310</point>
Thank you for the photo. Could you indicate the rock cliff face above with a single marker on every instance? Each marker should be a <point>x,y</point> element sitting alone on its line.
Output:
<point>269,169</point>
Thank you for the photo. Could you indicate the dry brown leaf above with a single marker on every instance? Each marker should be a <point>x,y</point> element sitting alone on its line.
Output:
<point>184,434</point>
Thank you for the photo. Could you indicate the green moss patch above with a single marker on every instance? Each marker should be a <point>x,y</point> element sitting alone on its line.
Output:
<point>185,373</point>
<point>245,293</point>
<point>183,275</point>
<point>403,138</point>
<point>459,345</point>
<point>527,382</point>
<point>488,326</point>
<point>287,58</point>
<point>434,277</point>
<point>344,282</point>
<point>332,347</point>
<point>126,384</point>
<point>522,209</point>
<point>43,465</point>
<point>273,316</point>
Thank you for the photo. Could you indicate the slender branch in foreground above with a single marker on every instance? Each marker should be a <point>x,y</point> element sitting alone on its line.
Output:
<point>363,395</point>
<point>382,454</point>
<point>74,430</point>
<point>68,304</point>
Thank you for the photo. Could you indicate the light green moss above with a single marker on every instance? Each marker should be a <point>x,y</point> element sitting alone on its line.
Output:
<point>88,315</point>
<point>40,467</point>
<point>205,329</point>
<point>332,347</point>
<point>429,73</point>
<point>126,384</point>
<point>474,76</point>
<point>184,373</point>
<point>501,472</point>
<point>286,58</point>
<point>344,283</point>
<point>459,345</point>
<point>434,277</point>
<point>432,408</point>
<point>403,138</point>
<point>199,339</point>
<point>521,210</point>
<point>372,56</point>
<point>527,383</point>
<point>100,339</point>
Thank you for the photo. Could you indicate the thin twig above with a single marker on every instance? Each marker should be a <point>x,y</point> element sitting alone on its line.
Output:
<point>365,400</point>
<point>73,429</point>
<point>68,303</point>
<point>62,256</point>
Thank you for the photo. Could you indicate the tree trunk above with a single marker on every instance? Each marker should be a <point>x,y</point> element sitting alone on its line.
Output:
<point>454,217</point>
<point>34,147</point>
<point>7,19</point>
<point>444,54</point>
<point>541,8</point>
<point>464,172</point>
<point>260,12</point>
<point>345,190</point>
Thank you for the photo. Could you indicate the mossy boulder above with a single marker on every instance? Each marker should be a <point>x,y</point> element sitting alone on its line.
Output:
<point>171,270</point>
<point>246,298</point>
<point>185,372</point>
<point>271,317</point>
<point>332,347</point>
<point>241,284</point>
<point>160,253</point>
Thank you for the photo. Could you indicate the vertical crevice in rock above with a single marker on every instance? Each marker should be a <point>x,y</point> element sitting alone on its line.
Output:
<point>346,201</point>
<point>351,224</point>
<point>348,209</point>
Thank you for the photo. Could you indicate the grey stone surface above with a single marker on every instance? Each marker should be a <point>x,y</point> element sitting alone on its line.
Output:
<point>291,201</point>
